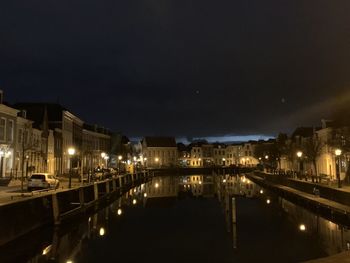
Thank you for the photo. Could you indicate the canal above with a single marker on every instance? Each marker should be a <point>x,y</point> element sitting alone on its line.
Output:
<point>187,219</point>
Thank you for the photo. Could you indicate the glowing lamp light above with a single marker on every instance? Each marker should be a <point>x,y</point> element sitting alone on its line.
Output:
<point>134,201</point>
<point>102,231</point>
<point>47,250</point>
<point>69,261</point>
<point>71,151</point>
<point>145,195</point>
<point>120,157</point>
<point>268,201</point>
<point>156,185</point>
<point>224,181</point>
<point>261,191</point>
<point>337,152</point>
<point>200,182</point>
<point>266,157</point>
<point>119,211</point>
<point>302,227</point>
<point>299,154</point>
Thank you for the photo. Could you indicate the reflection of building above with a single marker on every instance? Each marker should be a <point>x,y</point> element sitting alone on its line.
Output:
<point>159,151</point>
<point>193,184</point>
<point>335,238</point>
<point>162,187</point>
<point>236,185</point>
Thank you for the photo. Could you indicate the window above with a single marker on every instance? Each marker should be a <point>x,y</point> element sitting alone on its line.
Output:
<point>2,129</point>
<point>10,128</point>
<point>20,135</point>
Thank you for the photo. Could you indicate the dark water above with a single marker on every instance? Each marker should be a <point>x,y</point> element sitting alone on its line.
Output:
<point>188,219</point>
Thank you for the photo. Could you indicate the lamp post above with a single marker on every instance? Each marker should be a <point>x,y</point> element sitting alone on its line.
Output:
<point>299,155</point>
<point>105,157</point>
<point>120,158</point>
<point>145,162</point>
<point>71,152</point>
<point>337,163</point>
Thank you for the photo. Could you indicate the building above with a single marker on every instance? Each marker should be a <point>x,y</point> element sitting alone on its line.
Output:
<point>219,154</point>
<point>8,128</point>
<point>67,131</point>
<point>95,148</point>
<point>159,151</point>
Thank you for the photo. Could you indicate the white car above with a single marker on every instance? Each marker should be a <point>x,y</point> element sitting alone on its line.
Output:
<point>42,181</point>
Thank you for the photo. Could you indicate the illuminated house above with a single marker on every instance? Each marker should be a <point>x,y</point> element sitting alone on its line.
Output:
<point>159,151</point>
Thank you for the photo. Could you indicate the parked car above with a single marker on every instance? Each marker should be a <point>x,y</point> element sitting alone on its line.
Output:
<point>42,181</point>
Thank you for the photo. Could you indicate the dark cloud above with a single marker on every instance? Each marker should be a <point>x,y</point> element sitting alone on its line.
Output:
<point>136,66</point>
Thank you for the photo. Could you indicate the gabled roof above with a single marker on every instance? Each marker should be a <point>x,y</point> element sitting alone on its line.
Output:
<point>160,141</point>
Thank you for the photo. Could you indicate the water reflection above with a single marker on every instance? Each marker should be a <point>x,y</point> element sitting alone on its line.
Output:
<point>250,212</point>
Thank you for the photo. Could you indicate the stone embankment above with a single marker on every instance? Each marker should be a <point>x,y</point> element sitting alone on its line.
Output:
<point>329,202</point>
<point>22,216</point>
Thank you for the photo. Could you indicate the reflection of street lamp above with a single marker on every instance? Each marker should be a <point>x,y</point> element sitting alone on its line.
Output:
<point>71,152</point>
<point>337,162</point>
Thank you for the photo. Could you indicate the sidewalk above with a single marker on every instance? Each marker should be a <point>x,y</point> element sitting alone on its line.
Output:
<point>13,190</point>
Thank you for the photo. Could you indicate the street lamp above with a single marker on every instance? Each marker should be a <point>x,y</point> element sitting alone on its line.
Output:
<point>120,158</point>
<point>71,152</point>
<point>299,155</point>
<point>337,162</point>
<point>157,161</point>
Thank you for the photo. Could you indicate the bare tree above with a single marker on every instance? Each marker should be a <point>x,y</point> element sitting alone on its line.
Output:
<point>312,149</point>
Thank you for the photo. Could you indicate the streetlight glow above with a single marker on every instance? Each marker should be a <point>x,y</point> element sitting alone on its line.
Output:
<point>71,151</point>
<point>119,211</point>
<point>299,154</point>
<point>338,152</point>
<point>102,231</point>
<point>302,227</point>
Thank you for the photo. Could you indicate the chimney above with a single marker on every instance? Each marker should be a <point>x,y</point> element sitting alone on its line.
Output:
<point>23,114</point>
<point>1,97</point>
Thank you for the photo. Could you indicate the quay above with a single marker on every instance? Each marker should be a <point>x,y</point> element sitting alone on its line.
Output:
<point>331,203</point>
<point>53,207</point>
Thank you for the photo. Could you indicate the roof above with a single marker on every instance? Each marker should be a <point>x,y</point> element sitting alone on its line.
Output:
<point>36,112</point>
<point>160,141</point>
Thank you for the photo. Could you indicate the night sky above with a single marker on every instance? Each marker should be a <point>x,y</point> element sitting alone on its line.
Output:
<point>181,68</point>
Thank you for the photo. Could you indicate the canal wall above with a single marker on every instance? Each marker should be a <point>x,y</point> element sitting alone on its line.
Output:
<point>20,217</point>
<point>329,209</point>
<point>199,170</point>
<point>334,194</point>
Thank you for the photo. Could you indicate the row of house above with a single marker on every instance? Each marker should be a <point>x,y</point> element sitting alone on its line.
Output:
<point>35,137</point>
<point>164,151</point>
<point>322,151</point>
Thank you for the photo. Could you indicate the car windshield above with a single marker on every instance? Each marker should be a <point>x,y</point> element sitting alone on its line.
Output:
<point>38,176</point>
